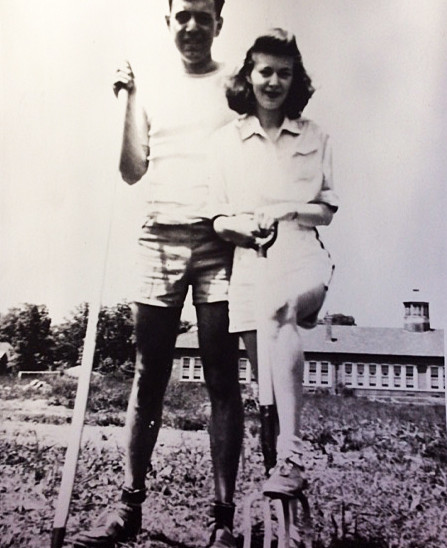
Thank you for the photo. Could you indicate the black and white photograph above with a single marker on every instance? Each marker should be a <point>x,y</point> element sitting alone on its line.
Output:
<point>222,282</point>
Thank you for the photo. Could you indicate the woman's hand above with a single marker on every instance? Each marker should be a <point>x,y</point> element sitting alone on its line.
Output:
<point>241,229</point>
<point>306,214</point>
<point>266,216</point>
<point>124,79</point>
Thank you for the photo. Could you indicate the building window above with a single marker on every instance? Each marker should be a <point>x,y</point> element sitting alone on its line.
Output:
<point>372,374</point>
<point>409,376</point>
<point>397,376</point>
<point>435,378</point>
<point>348,374</point>
<point>186,368</point>
<point>191,369</point>
<point>360,374</point>
<point>385,375</point>
<point>312,372</point>
<point>324,372</point>
<point>198,370</point>
<point>244,371</point>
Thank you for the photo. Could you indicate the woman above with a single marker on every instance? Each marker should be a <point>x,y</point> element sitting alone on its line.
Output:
<point>273,165</point>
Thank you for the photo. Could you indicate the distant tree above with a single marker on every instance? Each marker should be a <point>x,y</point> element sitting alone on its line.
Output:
<point>114,337</point>
<point>338,319</point>
<point>69,337</point>
<point>28,330</point>
<point>342,319</point>
<point>115,342</point>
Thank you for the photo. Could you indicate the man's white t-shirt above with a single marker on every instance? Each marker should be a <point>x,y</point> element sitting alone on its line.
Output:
<point>183,111</point>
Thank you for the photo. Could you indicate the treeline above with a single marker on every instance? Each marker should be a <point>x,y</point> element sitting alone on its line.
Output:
<point>39,345</point>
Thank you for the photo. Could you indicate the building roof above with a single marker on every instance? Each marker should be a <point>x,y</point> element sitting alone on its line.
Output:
<point>387,341</point>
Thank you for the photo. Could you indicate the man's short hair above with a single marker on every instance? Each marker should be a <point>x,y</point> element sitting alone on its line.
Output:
<point>218,5</point>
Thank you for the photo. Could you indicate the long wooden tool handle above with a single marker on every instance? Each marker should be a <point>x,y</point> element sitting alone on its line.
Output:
<point>263,343</point>
<point>72,453</point>
<point>80,406</point>
<point>263,346</point>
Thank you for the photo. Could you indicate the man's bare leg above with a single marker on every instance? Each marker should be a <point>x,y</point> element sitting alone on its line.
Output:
<point>219,351</point>
<point>156,331</point>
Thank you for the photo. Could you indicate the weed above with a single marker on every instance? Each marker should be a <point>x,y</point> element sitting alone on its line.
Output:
<point>377,471</point>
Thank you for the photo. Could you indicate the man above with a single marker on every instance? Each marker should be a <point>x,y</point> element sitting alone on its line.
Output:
<point>166,137</point>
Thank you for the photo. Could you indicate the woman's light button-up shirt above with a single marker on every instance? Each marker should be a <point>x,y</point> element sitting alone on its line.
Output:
<point>248,169</point>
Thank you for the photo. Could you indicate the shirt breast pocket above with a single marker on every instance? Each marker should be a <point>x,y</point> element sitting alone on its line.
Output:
<point>306,162</point>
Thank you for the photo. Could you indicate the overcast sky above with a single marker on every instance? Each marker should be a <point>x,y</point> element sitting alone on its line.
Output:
<point>379,69</point>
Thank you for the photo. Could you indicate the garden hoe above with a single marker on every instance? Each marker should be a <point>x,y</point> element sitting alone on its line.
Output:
<point>284,509</point>
<point>80,406</point>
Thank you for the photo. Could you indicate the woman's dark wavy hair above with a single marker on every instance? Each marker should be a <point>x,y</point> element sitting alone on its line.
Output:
<point>276,41</point>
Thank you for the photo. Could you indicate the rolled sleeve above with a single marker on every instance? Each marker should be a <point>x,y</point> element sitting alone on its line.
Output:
<point>327,194</point>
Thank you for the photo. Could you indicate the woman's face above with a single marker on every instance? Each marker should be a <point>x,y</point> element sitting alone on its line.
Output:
<point>271,79</point>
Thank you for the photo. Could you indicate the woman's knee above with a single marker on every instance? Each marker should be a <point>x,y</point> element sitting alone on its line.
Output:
<point>283,315</point>
<point>298,306</point>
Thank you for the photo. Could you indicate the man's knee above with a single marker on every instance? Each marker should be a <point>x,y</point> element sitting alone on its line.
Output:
<point>223,388</point>
<point>155,332</point>
<point>155,327</point>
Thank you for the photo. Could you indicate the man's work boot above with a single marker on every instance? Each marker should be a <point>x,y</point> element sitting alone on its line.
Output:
<point>122,525</point>
<point>221,522</point>
<point>286,480</point>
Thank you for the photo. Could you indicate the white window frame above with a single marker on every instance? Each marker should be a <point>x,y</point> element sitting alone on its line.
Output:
<point>373,378</point>
<point>186,363</point>
<point>348,378</point>
<point>361,376</point>
<point>325,376</point>
<point>245,372</point>
<point>312,375</point>
<point>383,376</point>
<point>439,376</point>
<point>414,376</point>
<point>189,366</point>
<point>398,376</point>
<point>191,370</point>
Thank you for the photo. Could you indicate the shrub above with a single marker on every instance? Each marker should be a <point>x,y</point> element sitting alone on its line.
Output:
<point>321,392</point>
<point>28,330</point>
<point>345,391</point>
<point>186,406</point>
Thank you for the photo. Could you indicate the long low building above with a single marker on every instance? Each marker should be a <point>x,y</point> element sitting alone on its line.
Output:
<point>384,363</point>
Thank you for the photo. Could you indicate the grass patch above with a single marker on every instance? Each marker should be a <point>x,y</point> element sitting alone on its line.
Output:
<point>377,471</point>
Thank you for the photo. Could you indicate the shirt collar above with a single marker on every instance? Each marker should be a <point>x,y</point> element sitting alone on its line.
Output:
<point>249,125</point>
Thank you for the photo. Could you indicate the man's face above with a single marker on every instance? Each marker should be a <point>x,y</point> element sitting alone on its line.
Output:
<point>194,25</point>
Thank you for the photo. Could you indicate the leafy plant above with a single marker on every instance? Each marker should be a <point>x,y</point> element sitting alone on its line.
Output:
<point>28,329</point>
<point>377,472</point>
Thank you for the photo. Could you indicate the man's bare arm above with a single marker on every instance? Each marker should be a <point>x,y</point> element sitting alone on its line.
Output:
<point>135,145</point>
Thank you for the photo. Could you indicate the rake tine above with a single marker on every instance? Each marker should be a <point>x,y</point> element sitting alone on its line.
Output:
<point>286,511</point>
<point>307,520</point>
<point>282,510</point>
<point>267,514</point>
<point>247,518</point>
